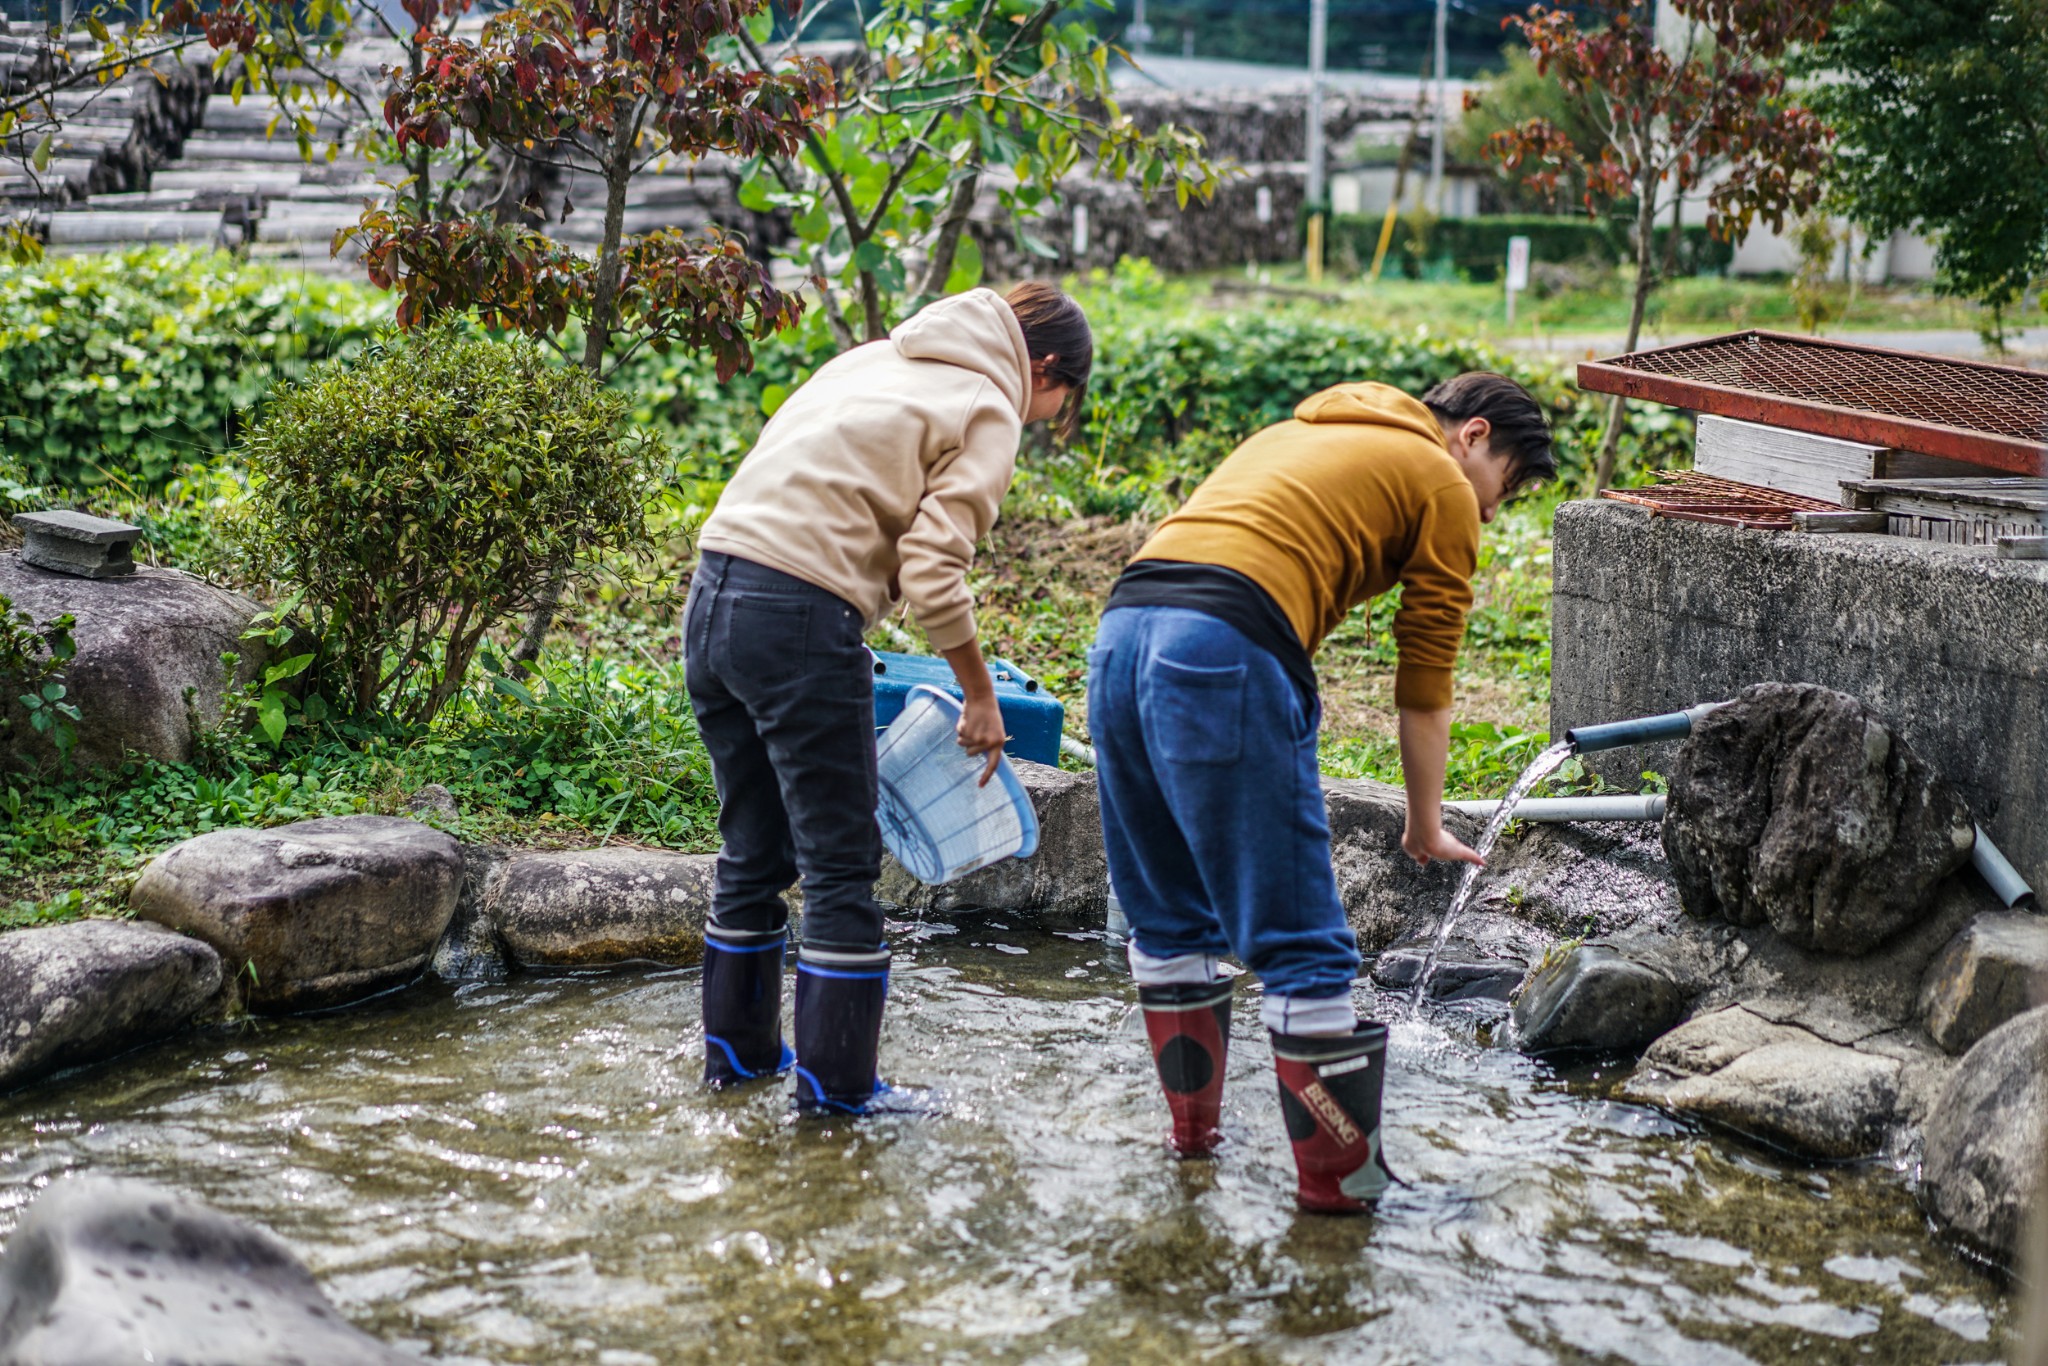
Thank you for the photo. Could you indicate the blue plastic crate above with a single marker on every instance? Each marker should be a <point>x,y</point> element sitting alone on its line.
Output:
<point>1032,716</point>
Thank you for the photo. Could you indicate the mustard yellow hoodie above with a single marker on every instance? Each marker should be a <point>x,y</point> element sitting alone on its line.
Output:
<point>877,476</point>
<point>1356,493</point>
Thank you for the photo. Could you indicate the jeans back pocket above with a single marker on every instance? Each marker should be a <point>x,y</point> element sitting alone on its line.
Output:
<point>767,639</point>
<point>1195,715</point>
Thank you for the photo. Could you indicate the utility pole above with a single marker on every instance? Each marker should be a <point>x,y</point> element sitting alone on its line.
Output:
<point>1318,41</point>
<point>1140,32</point>
<point>1436,146</point>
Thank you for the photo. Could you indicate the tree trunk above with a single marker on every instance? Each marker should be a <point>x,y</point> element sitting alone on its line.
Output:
<point>947,244</point>
<point>1646,280</point>
<point>872,322</point>
<point>597,336</point>
<point>618,171</point>
<point>422,161</point>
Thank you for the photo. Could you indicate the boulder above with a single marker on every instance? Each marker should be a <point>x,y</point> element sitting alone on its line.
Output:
<point>1066,878</point>
<point>588,907</point>
<point>469,950</point>
<point>1794,806</point>
<point>1995,969</point>
<point>313,914</point>
<point>1386,897</point>
<point>1591,1000</point>
<point>1777,1084</point>
<point>1455,977</point>
<point>1986,1135</point>
<point>103,1270</point>
<point>145,641</point>
<point>77,993</point>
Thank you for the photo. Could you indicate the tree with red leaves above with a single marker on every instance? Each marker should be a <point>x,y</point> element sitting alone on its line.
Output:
<point>1708,108</point>
<point>603,87</point>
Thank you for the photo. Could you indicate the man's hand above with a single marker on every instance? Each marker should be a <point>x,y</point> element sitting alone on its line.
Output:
<point>1424,845</point>
<point>981,732</point>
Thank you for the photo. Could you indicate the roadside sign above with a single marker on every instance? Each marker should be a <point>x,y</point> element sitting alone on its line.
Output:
<point>1518,264</point>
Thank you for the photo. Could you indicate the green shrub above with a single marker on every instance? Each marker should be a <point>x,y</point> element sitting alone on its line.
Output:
<point>32,660</point>
<point>134,364</point>
<point>414,498</point>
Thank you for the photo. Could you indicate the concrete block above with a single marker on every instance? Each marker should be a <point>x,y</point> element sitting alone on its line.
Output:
<point>75,543</point>
<point>1948,644</point>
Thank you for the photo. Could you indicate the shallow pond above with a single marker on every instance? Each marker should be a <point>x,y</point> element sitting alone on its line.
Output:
<point>529,1172</point>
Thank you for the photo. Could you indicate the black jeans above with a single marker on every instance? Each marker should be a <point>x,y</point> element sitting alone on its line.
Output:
<point>784,693</point>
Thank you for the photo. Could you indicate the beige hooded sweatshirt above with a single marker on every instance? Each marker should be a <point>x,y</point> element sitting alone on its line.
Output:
<point>888,464</point>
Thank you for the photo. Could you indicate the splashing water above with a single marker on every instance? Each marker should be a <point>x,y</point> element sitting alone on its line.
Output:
<point>1541,767</point>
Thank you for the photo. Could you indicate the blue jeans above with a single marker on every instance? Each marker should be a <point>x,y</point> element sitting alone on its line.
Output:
<point>1212,804</point>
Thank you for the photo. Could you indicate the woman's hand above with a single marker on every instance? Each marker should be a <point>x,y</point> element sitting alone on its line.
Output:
<point>981,732</point>
<point>1424,845</point>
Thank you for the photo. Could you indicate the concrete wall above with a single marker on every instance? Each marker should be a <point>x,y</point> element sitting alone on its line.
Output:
<point>1949,645</point>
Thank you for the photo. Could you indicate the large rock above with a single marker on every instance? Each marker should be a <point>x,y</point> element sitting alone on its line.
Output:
<point>104,1271</point>
<point>1386,897</point>
<point>1995,969</point>
<point>313,914</point>
<point>146,641</point>
<point>77,993</point>
<point>1591,1000</point>
<point>1067,878</point>
<point>1776,1083</point>
<point>589,907</point>
<point>1795,806</point>
<point>1985,1138</point>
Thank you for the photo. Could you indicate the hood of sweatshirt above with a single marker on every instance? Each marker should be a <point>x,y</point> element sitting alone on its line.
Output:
<point>976,331</point>
<point>1379,405</point>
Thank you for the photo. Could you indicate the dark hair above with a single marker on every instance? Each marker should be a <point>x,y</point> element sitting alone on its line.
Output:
<point>1055,326</point>
<point>1520,430</point>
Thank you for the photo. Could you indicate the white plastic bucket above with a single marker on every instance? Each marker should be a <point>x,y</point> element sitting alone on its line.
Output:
<point>936,820</point>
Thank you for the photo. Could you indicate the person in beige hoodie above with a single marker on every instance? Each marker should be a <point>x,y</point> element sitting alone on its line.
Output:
<point>868,488</point>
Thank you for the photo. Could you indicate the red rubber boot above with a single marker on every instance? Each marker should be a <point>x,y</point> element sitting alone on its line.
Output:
<point>1189,1026</point>
<point>1330,1099</point>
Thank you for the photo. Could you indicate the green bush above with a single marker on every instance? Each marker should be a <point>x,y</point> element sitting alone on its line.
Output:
<point>410,500</point>
<point>1477,248</point>
<point>130,365</point>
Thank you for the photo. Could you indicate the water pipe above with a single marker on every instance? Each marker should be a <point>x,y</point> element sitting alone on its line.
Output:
<point>1998,873</point>
<point>1643,806</point>
<point>1674,725</point>
<point>1075,749</point>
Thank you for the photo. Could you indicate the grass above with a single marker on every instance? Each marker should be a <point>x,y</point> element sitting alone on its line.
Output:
<point>606,751</point>
<point>1600,305</point>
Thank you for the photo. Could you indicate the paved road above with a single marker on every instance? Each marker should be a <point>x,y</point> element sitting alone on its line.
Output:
<point>2028,348</point>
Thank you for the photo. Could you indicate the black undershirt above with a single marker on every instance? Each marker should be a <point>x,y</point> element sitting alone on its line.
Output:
<point>1222,593</point>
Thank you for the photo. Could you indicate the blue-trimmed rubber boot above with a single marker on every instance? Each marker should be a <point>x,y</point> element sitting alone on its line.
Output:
<point>839,998</point>
<point>743,1006</point>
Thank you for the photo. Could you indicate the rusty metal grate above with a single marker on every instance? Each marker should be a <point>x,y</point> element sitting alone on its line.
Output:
<point>1995,416</point>
<point>1690,496</point>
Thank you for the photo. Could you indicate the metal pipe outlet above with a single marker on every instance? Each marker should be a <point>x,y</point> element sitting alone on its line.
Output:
<point>1643,806</point>
<point>1643,730</point>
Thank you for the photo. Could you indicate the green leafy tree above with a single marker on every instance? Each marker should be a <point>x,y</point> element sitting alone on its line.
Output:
<point>944,103</point>
<point>1941,114</point>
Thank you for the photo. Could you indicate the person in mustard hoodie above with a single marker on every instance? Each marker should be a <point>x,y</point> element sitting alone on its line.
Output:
<point>1203,706</point>
<point>870,485</point>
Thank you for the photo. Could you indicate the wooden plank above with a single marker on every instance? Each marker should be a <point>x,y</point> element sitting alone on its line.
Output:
<point>1778,458</point>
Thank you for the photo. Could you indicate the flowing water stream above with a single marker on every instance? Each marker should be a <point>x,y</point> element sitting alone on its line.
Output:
<point>529,1172</point>
<point>1541,767</point>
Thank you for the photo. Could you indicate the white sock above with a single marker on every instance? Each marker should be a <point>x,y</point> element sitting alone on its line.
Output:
<point>1183,969</point>
<point>1327,1016</point>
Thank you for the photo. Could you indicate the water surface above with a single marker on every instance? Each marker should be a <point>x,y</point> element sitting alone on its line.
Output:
<point>529,1172</point>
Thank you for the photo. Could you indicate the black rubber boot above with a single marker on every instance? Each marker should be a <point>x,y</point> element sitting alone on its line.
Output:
<point>839,999</point>
<point>743,1006</point>
<point>1330,1100</point>
<point>1189,1026</point>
